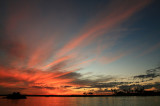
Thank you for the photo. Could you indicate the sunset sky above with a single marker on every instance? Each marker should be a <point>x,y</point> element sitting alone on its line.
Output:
<point>75,46</point>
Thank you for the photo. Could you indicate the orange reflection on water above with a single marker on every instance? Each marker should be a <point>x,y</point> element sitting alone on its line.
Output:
<point>51,101</point>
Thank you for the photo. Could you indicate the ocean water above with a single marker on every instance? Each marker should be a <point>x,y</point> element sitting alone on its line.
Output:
<point>83,101</point>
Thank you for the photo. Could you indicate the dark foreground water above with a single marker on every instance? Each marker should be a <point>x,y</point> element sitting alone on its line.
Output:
<point>83,101</point>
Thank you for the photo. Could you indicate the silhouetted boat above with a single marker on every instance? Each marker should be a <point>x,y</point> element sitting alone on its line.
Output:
<point>15,95</point>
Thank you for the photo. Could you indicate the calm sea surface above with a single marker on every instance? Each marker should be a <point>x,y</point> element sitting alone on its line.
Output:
<point>83,101</point>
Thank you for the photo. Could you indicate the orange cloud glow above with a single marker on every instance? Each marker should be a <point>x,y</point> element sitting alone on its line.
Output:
<point>39,65</point>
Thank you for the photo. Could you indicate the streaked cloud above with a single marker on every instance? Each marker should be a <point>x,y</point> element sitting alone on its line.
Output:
<point>39,58</point>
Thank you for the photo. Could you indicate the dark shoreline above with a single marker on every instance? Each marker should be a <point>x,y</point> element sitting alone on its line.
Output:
<point>82,95</point>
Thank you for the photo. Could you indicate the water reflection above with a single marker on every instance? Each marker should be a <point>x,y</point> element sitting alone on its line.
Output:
<point>83,101</point>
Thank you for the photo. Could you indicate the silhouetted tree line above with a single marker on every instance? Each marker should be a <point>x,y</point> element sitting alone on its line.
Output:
<point>89,93</point>
<point>134,92</point>
<point>16,95</point>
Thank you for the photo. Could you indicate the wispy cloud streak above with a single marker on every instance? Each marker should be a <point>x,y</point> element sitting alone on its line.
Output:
<point>34,60</point>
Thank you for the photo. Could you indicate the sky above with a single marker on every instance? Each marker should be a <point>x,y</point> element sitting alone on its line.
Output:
<point>74,46</point>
